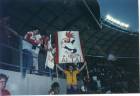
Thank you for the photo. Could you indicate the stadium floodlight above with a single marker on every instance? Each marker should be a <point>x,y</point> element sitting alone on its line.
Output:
<point>115,21</point>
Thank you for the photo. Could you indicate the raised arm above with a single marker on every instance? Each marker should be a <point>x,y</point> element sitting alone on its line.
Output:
<point>85,63</point>
<point>61,69</point>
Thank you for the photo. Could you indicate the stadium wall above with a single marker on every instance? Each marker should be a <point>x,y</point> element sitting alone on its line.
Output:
<point>32,84</point>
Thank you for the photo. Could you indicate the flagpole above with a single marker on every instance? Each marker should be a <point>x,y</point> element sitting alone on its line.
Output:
<point>84,58</point>
<point>57,74</point>
<point>87,71</point>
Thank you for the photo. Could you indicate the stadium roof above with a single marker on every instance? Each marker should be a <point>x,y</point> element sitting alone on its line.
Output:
<point>82,15</point>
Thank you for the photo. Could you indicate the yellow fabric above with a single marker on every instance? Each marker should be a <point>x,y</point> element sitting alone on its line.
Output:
<point>71,77</point>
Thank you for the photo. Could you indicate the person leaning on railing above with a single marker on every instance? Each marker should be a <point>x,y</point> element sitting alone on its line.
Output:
<point>43,54</point>
<point>30,55</point>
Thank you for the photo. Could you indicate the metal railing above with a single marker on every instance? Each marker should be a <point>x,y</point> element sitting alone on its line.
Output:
<point>9,65</point>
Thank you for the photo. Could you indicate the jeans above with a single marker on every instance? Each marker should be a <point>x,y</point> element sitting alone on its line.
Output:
<point>27,61</point>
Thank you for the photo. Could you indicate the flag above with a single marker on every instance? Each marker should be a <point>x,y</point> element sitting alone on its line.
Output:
<point>50,58</point>
<point>68,47</point>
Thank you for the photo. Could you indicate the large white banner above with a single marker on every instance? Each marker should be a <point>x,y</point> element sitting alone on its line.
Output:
<point>68,47</point>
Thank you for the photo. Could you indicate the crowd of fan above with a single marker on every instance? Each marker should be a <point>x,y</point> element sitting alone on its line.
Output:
<point>110,79</point>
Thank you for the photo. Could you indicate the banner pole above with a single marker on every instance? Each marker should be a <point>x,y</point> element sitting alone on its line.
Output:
<point>57,75</point>
<point>87,71</point>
